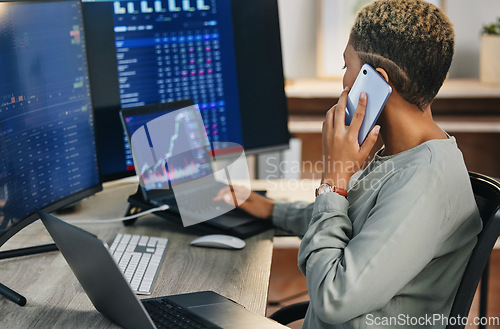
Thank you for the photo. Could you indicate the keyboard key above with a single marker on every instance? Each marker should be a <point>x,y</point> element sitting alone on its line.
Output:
<point>139,258</point>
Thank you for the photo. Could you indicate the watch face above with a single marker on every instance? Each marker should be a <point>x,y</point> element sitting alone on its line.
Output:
<point>324,188</point>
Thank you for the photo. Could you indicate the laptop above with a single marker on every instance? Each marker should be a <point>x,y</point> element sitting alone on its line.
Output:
<point>147,127</point>
<point>102,280</point>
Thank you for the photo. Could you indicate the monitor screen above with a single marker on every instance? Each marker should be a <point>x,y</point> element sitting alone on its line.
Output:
<point>225,55</point>
<point>47,145</point>
<point>184,153</point>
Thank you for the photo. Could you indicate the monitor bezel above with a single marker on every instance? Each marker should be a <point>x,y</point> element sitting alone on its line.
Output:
<point>50,208</point>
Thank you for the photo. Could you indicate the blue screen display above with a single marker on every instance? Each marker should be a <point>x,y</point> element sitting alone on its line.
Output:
<point>224,55</point>
<point>172,50</point>
<point>47,146</point>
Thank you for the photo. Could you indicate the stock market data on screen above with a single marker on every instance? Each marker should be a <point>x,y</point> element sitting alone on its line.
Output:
<point>178,49</point>
<point>47,146</point>
<point>224,55</point>
<point>178,138</point>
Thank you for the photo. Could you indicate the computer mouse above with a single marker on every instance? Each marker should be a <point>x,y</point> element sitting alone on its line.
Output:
<point>221,241</point>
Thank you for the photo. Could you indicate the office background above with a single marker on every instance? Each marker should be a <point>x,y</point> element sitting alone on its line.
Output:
<point>299,28</point>
<point>466,108</point>
<point>299,21</point>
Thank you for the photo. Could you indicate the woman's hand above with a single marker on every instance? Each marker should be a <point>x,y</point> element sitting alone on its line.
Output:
<point>342,154</point>
<point>251,202</point>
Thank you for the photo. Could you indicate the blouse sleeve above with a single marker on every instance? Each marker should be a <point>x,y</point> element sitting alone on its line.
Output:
<point>293,217</point>
<point>350,276</point>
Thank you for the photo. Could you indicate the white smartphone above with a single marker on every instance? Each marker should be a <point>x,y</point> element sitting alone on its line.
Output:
<point>377,91</point>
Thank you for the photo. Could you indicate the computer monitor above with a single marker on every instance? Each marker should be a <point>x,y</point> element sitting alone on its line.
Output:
<point>47,145</point>
<point>225,55</point>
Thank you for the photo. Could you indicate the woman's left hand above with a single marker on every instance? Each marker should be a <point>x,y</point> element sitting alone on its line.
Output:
<point>342,154</point>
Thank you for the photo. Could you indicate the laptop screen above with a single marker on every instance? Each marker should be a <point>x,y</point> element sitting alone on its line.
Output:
<point>169,143</point>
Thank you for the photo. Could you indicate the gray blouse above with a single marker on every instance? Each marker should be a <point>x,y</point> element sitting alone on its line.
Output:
<point>393,253</point>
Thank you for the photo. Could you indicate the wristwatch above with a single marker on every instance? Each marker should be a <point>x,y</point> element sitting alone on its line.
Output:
<point>325,187</point>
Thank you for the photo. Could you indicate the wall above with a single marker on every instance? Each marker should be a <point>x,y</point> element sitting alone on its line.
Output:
<point>468,17</point>
<point>298,37</point>
<point>299,19</point>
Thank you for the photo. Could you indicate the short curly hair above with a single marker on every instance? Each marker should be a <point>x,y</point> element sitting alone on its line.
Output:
<point>412,40</point>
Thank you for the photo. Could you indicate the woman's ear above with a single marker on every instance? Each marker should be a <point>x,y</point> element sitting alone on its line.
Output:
<point>383,73</point>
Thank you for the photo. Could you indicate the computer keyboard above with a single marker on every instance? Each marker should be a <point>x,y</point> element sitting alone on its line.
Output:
<point>139,258</point>
<point>166,314</point>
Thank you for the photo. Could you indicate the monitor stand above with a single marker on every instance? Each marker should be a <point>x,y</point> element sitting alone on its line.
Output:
<point>6,291</point>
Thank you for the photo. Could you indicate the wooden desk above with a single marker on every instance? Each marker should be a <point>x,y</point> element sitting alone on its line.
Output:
<point>56,299</point>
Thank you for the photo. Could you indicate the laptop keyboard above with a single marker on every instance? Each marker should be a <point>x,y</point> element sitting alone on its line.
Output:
<point>139,258</point>
<point>200,206</point>
<point>197,202</point>
<point>166,314</point>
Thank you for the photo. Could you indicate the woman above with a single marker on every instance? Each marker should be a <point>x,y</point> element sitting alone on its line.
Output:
<point>392,253</point>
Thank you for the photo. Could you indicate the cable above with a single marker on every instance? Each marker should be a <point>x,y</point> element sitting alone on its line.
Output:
<point>114,220</point>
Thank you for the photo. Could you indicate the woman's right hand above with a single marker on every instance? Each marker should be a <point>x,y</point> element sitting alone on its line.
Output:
<point>251,202</point>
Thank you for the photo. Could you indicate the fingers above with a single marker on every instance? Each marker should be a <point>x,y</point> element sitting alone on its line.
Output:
<point>328,123</point>
<point>370,141</point>
<point>222,193</point>
<point>343,97</point>
<point>251,202</point>
<point>241,194</point>
<point>335,116</point>
<point>339,120</point>
<point>359,114</point>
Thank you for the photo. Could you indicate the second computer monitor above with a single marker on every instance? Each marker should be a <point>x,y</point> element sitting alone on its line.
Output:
<point>225,55</point>
<point>47,146</point>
